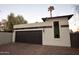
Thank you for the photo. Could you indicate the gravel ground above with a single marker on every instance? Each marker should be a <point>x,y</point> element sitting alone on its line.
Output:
<point>34,49</point>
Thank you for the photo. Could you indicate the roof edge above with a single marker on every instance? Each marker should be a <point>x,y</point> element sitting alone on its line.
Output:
<point>69,16</point>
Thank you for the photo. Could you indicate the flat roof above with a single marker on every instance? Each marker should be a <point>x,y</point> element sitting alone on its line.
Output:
<point>69,16</point>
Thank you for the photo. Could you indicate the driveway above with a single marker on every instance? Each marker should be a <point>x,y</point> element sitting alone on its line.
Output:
<point>34,49</point>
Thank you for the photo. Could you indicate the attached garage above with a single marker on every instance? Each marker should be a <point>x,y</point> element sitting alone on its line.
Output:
<point>53,31</point>
<point>34,37</point>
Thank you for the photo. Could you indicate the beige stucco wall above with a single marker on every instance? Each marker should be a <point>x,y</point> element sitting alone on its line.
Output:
<point>64,40</point>
<point>30,25</point>
<point>48,33</point>
<point>5,37</point>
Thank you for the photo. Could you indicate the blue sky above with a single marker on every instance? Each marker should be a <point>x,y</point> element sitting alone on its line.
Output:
<point>34,12</point>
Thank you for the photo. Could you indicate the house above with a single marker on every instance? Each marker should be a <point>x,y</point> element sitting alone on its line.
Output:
<point>53,31</point>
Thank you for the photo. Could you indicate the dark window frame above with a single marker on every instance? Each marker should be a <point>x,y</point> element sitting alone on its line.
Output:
<point>56,29</point>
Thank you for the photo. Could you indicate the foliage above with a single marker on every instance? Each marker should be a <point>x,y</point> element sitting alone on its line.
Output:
<point>12,20</point>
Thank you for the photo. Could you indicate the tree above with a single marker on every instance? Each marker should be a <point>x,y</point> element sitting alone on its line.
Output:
<point>3,24</point>
<point>50,8</point>
<point>12,20</point>
<point>20,20</point>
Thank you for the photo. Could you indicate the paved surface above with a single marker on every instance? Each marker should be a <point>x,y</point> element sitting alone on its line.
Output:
<point>34,49</point>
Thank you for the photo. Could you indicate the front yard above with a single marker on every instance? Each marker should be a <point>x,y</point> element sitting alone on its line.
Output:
<point>34,49</point>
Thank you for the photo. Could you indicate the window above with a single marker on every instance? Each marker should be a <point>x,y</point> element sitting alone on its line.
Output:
<point>56,30</point>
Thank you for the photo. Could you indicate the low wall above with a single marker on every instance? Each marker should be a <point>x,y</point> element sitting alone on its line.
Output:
<point>5,37</point>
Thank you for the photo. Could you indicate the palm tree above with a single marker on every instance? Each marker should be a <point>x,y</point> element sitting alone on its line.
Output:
<point>50,8</point>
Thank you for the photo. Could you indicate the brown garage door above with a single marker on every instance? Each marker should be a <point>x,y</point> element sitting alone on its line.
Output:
<point>34,37</point>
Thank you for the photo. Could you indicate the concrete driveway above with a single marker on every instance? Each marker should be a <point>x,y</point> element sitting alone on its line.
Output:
<point>34,49</point>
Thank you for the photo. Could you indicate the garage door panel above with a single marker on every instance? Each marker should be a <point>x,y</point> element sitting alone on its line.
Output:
<point>29,37</point>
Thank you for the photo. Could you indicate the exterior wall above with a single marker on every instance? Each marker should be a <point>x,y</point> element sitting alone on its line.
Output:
<point>64,39</point>
<point>48,33</point>
<point>30,25</point>
<point>5,37</point>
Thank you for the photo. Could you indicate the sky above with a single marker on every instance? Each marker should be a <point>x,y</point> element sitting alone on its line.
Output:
<point>34,12</point>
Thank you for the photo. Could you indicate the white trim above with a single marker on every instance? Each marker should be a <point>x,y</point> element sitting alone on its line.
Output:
<point>26,30</point>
